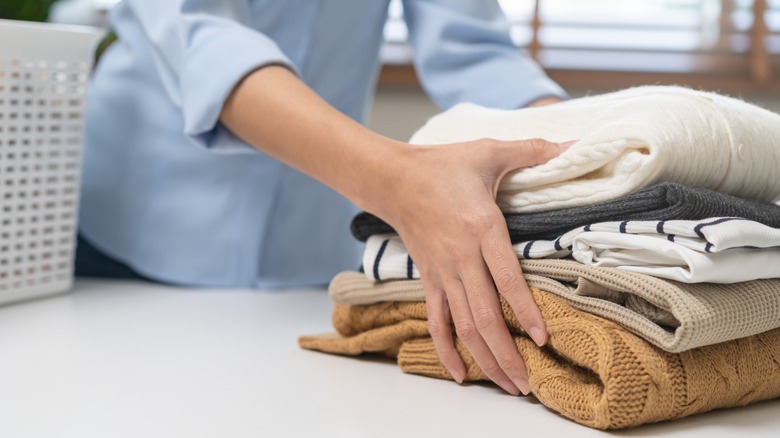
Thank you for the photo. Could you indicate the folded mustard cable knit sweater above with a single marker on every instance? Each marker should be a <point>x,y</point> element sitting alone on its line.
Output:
<point>592,370</point>
<point>671,315</point>
<point>627,140</point>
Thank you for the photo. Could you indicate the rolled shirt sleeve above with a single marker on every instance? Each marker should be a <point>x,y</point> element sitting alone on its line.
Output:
<point>202,49</point>
<point>463,53</point>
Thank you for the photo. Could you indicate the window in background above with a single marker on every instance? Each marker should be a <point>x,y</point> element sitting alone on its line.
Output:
<point>712,43</point>
<point>718,41</point>
<point>395,49</point>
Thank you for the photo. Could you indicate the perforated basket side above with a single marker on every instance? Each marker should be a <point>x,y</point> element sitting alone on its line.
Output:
<point>43,74</point>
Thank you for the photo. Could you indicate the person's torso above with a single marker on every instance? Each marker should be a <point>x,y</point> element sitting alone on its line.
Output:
<point>178,212</point>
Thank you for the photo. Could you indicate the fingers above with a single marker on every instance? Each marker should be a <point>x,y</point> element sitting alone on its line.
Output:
<point>479,323</point>
<point>439,329</point>
<point>464,260</point>
<point>549,100</point>
<point>510,283</point>
<point>468,284</point>
<point>490,323</point>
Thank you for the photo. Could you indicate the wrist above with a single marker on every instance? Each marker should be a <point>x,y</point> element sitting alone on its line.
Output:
<point>376,173</point>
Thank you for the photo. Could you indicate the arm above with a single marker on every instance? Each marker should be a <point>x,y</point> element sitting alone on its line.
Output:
<point>441,200</point>
<point>451,224</point>
<point>189,38</point>
<point>463,53</point>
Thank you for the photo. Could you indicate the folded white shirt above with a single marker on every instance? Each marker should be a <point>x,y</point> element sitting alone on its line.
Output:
<point>715,250</point>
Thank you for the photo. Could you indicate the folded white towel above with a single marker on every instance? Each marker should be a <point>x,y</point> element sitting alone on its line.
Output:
<point>627,140</point>
<point>716,250</point>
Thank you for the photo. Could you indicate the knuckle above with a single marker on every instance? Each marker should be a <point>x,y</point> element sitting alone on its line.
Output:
<point>491,369</point>
<point>507,363</point>
<point>506,280</point>
<point>427,273</point>
<point>486,321</point>
<point>477,223</point>
<point>538,147</point>
<point>523,309</point>
<point>487,142</point>
<point>438,329</point>
<point>466,331</point>
<point>455,250</point>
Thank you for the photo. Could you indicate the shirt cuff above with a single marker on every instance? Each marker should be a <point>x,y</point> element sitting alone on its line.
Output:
<point>217,58</point>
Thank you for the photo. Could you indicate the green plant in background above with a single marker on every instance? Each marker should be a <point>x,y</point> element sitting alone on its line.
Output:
<point>27,10</point>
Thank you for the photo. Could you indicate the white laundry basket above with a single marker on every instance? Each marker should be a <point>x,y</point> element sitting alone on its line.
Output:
<point>43,74</point>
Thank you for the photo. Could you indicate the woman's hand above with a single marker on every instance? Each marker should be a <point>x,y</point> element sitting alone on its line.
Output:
<point>441,200</point>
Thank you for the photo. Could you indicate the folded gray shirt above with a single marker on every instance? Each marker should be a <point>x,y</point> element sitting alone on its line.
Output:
<point>664,201</point>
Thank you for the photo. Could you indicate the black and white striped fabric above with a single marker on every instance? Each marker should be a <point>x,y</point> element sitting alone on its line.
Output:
<point>716,250</point>
<point>386,258</point>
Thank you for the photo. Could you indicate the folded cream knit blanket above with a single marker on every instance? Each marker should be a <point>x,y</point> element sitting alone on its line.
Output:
<point>673,316</point>
<point>627,140</point>
<point>591,371</point>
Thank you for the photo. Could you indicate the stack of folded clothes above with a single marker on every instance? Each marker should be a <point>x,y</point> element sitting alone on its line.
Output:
<point>651,247</point>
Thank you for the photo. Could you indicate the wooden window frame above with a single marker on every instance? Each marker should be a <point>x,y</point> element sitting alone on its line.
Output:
<point>759,71</point>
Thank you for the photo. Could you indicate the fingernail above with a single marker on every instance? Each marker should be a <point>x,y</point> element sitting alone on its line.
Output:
<point>509,387</point>
<point>523,386</point>
<point>537,335</point>
<point>458,376</point>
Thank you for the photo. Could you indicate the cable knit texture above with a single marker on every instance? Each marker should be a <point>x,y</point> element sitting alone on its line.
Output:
<point>627,140</point>
<point>591,371</point>
<point>662,202</point>
<point>673,316</point>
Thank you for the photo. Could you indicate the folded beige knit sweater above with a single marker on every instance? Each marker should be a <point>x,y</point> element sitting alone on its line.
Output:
<point>592,370</point>
<point>671,315</point>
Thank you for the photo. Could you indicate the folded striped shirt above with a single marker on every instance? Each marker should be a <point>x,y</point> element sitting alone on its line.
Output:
<point>715,250</point>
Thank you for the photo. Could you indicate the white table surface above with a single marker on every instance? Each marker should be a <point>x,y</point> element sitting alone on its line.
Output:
<point>116,359</point>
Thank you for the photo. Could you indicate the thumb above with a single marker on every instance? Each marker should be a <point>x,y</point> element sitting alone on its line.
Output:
<point>528,153</point>
<point>514,155</point>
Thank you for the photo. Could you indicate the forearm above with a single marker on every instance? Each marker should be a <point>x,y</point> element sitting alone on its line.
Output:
<point>275,112</point>
<point>441,200</point>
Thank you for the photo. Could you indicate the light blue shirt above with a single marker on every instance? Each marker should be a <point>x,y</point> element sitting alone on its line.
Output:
<point>173,194</point>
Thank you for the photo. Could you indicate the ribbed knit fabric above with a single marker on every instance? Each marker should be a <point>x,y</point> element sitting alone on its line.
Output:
<point>351,288</point>
<point>591,371</point>
<point>673,316</point>
<point>664,201</point>
<point>627,140</point>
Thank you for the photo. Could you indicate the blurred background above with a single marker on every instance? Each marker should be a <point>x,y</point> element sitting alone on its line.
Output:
<point>588,46</point>
<point>593,46</point>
